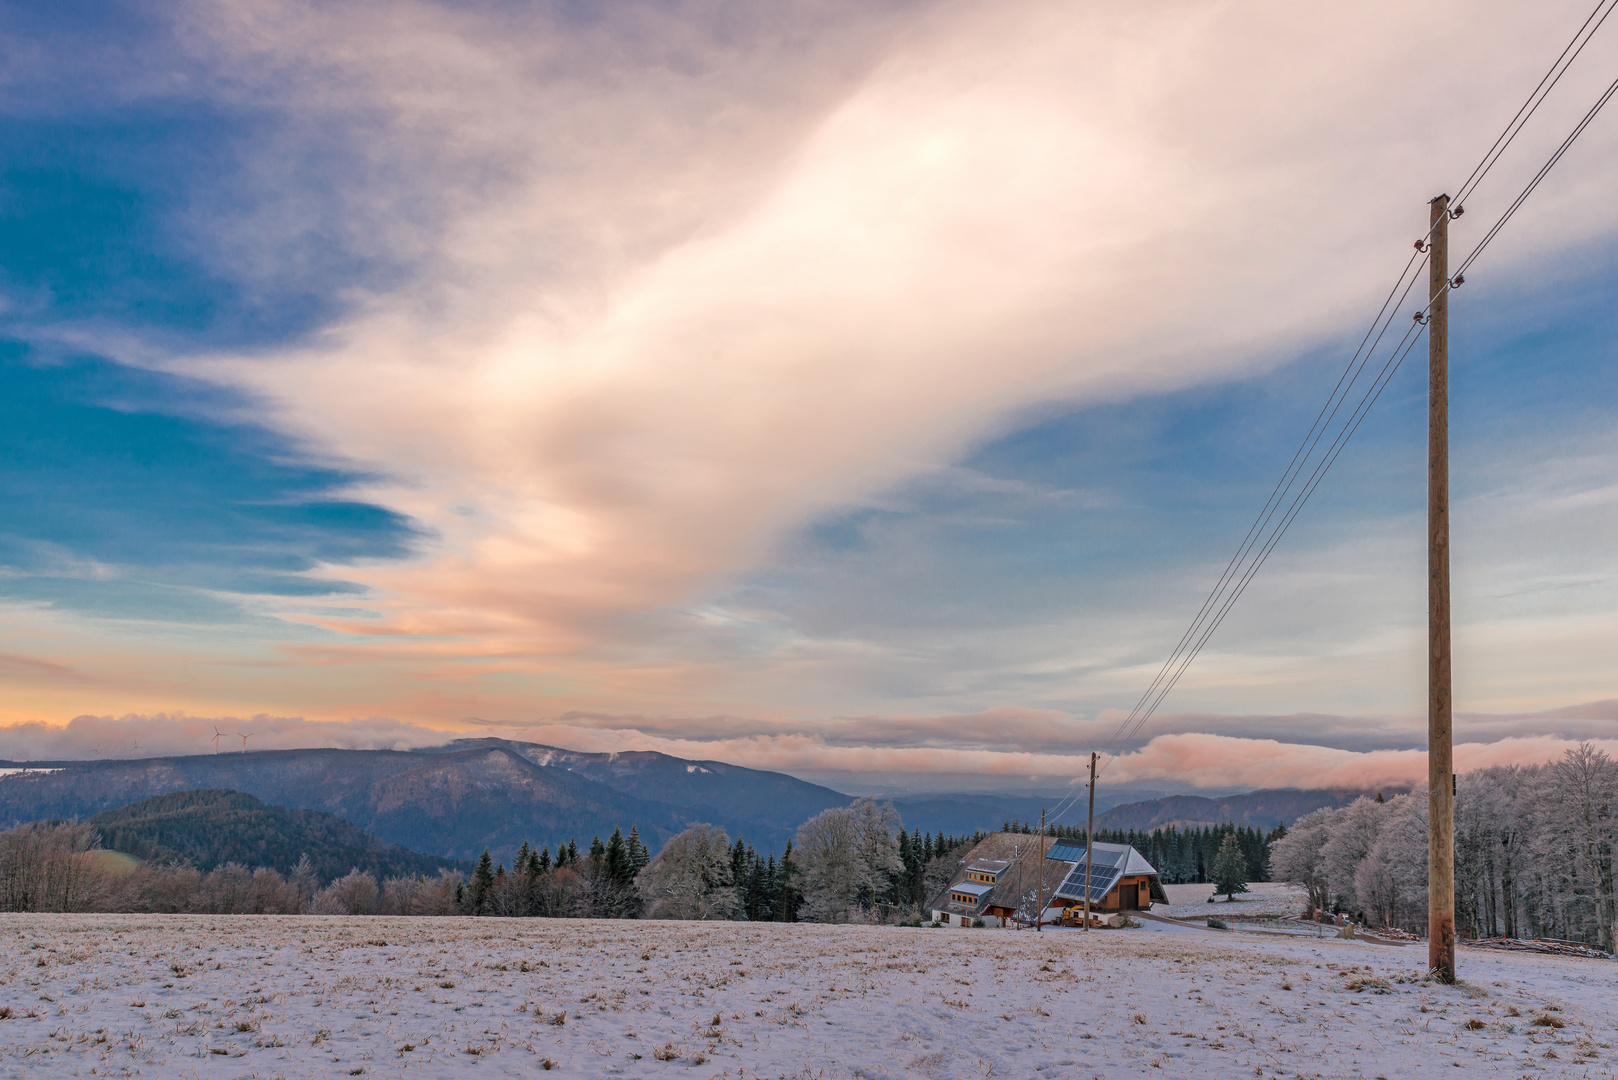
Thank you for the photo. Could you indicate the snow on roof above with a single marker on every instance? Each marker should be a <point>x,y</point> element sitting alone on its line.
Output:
<point>975,888</point>
<point>1122,857</point>
<point>988,866</point>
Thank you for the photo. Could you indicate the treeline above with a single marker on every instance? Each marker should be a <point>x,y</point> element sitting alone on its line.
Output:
<point>853,863</point>
<point>1534,853</point>
<point>849,864</point>
<point>1180,856</point>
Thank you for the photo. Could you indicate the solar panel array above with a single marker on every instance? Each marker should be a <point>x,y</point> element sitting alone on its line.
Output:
<point>1066,850</point>
<point>1108,868</point>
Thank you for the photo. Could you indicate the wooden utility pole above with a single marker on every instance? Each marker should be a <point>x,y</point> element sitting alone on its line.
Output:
<point>1039,888</point>
<point>1440,735</point>
<point>1090,842</point>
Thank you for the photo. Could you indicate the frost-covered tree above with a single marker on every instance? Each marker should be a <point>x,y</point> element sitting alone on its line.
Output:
<point>1354,831</point>
<point>690,878</point>
<point>355,893</point>
<point>1299,857</point>
<point>849,859</point>
<point>1390,883</point>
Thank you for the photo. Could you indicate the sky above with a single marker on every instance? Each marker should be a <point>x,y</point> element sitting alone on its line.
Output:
<point>867,391</point>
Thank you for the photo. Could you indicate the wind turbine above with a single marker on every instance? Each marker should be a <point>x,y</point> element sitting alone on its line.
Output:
<point>217,735</point>
<point>244,736</point>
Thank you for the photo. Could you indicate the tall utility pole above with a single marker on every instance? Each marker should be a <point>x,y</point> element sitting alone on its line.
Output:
<point>1039,888</point>
<point>1090,842</point>
<point>1440,735</point>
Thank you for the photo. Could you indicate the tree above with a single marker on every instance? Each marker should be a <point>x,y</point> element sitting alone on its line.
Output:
<point>613,884</point>
<point>1230,868</point>
<point>848,857</point>
<point>690,878</point>
<point>482,882</point>
<point>1297,856</point>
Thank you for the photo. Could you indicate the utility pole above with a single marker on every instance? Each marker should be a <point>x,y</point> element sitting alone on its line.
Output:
<point>1039,889</point>
<point>1440,733</point>
<point>1090,842</point>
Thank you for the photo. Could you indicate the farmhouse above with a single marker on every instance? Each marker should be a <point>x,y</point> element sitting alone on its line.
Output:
<point>1120,879</point>
<point>1003,880</point>
<point>1000,883</point>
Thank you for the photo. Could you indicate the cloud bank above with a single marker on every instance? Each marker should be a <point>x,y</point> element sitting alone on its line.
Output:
<point>1002,749</point>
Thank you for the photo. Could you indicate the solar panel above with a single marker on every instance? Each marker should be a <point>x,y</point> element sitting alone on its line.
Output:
<point>1101,881</point>
<point>1066,850</point>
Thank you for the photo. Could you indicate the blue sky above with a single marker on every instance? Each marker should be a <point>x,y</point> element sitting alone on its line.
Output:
<point>873,394</point>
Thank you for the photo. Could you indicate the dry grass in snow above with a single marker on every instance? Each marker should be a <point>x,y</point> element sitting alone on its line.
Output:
<point>268,996</point>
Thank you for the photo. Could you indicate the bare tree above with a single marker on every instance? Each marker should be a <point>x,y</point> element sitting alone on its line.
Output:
<point>48,866</point>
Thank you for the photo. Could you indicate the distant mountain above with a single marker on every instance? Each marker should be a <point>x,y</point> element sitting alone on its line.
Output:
<point>1261,809</point>
<point>211,827</point>
<point>760,806</point>
<point>453,801</point>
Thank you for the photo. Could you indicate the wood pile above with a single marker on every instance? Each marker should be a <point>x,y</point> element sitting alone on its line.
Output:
<point>1549,946</point>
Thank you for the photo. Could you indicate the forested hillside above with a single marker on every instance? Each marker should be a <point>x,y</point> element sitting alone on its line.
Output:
<point>211,827</point>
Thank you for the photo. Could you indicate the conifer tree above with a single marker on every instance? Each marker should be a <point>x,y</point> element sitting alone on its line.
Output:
<point>482,882</point>
<point>638,855</point>
<point>1230,867</point>
<point>788,898</point>
<point>544,858</point>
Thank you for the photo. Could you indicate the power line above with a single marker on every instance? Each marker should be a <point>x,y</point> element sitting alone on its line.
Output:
<point>1539,176</point>
<point>1536,98</point>
<point>1230,588</point>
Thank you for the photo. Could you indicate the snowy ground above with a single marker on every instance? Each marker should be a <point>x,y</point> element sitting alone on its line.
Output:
<point>1264,899</point>
<point>203,996</point>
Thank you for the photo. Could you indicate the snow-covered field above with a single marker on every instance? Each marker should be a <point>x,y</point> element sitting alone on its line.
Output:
<point>1264,899</point>
<point>269,996</point>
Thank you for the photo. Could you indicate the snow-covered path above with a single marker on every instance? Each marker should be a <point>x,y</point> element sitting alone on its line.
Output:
<point>270,996</point>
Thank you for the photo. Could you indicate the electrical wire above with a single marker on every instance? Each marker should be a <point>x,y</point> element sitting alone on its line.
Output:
<point>1535,99</point>
<point>1230,588</point>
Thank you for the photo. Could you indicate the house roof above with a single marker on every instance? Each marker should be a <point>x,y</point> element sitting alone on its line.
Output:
<point>978,889</point>
<point>1100,873</point>
<point>1123,855</point>
<point>1014,859</point>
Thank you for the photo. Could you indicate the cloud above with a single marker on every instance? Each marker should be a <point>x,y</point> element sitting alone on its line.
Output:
<point>670,297</point>
<point>999,749</point>
<point>133,736</point>
<point>1219,761</point>
<point>613,307</point>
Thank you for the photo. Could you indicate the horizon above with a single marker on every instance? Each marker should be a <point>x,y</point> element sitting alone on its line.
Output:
<point>867,393</point>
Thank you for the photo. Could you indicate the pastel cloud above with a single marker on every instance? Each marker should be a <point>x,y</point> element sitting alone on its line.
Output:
<point>644,293</point>
<point>656,320</point>
<point>951,747</point>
